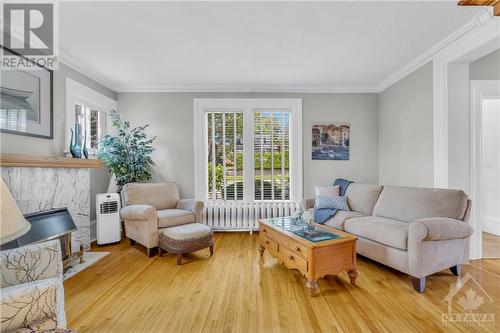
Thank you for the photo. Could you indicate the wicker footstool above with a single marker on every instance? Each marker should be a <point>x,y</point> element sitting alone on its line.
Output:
<point>186,238</point>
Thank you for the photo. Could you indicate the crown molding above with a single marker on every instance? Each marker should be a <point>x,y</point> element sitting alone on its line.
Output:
<point>477,22</point>
<point>209,88</point>
<point>87,71</point>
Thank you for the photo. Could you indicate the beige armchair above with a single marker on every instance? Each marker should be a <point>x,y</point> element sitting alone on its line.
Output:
<point>150,207</point>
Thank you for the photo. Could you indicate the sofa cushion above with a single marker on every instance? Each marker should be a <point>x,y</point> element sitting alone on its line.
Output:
<point>327,191</point>
<point>379,229</point>
<point>362,197</point>
<point>158,195</point>
<point>411,203</point>
<point>338,220</point>
<point>172,217</point>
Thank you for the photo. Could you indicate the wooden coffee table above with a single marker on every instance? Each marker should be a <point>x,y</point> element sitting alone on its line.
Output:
<point>313,259</point>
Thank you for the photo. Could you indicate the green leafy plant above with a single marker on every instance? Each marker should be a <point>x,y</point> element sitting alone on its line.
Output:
<point>128,154</point>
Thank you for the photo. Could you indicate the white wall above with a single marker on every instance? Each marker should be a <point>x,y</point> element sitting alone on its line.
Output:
<point>486,68</point>
<point>406,131</point>
<point>491,166</point>
<point>25,145</point>
<point>171,119</point>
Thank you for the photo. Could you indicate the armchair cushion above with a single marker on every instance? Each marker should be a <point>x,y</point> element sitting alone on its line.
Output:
<point>440,228</point>
<point>172,217</point>
<point>29,303</point>
<point>138,213</point>
<point>30,263</point>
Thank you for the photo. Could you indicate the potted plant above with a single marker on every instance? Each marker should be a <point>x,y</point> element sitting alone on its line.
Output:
<point>128,154</point>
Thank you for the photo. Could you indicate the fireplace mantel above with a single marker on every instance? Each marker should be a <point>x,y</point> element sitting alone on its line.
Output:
<point>14,160</point>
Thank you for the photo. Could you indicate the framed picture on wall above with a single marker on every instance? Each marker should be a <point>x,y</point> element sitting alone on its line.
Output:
<point>330,141</point>
<point>26,100</point>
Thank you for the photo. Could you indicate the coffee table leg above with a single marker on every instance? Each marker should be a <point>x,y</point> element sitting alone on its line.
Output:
<point>312,285</point>
<point>353,274</point>
<point>261,250</point>
<point>211,250</point>
<point>179,258</point>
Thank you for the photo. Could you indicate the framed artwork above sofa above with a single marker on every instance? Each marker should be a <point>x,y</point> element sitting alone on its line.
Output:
<point>330,141</point>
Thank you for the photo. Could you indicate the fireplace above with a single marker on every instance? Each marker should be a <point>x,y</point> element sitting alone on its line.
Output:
<point>48,225</point>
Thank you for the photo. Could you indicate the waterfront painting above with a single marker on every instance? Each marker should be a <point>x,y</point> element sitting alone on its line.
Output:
<point>330,141</point>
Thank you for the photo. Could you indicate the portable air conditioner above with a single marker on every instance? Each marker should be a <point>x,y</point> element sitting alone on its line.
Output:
<point>108,218</point>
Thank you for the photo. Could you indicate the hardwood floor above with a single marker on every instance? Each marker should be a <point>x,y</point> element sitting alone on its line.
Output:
<point>491,246</point>
<point>236,291</point>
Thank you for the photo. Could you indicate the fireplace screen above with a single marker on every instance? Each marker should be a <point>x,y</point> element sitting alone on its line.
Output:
<point>47,225</point>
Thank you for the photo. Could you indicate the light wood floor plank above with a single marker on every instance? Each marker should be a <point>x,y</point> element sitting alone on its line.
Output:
<point>237,291</point>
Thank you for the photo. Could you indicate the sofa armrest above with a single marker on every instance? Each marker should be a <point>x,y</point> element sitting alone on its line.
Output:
<point>194,206</point>
<point>139,213</point>
<point>439,228</point>
<point>308,203</point>
<point>31,263</point>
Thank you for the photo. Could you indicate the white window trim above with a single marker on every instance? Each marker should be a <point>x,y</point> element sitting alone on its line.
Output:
<point>247,106</point>
<point>77,92</point>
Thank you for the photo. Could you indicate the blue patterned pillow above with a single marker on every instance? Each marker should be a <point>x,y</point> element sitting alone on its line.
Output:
<point>331,202</point>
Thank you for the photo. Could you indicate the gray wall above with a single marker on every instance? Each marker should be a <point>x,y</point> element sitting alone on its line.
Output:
<point>406,131</point>
<point>486,68</point>
<point>171,119</point>
<point>17,144</point>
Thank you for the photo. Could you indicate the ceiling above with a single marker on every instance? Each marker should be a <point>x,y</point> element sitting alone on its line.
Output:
<point>174,46</point>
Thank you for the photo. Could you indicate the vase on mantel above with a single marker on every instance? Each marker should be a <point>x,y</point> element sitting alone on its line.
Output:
<point>74,147</point>
<point>84,150</point>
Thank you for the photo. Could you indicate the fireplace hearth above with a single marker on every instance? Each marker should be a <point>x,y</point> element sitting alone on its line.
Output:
<point>48,225</point>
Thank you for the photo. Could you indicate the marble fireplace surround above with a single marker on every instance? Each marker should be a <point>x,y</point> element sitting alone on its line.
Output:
<point>40,183</point>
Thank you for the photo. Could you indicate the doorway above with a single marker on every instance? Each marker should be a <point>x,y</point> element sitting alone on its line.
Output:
<point>485,135</point>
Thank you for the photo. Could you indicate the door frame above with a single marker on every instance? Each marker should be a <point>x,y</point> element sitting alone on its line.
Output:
<point>479,90</point>
<point>481,38</point>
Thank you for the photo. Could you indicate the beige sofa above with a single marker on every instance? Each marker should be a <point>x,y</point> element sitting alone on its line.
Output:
<point>150,207</point>
<point>418,231</point>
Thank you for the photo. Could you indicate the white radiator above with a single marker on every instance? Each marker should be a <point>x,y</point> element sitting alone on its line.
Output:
<point>236,216</point>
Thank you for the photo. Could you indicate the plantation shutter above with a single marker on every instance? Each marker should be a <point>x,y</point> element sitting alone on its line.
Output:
<point>225,155</point>
<point>271,155</point>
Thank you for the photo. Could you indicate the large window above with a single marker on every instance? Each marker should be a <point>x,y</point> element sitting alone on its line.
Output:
<point>248,150</point>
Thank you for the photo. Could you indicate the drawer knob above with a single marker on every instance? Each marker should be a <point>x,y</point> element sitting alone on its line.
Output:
<point>291,258</point>
<point>264,230</point>
<point>297,249</point>
<point>267,242</point>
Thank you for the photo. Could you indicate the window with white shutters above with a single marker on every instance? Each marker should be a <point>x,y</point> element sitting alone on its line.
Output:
<point>248,150</point>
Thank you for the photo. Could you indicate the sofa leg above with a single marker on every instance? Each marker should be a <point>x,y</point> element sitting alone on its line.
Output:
<point>179,258</point>
<point>132,242</point>
<point>150,251</point>
<point>456,270</point>
<point>418,284</point>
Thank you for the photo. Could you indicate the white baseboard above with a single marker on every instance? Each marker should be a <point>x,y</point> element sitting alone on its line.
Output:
<point>491,225</point>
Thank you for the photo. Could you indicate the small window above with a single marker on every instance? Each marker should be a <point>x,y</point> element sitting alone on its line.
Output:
<point>90,126</point>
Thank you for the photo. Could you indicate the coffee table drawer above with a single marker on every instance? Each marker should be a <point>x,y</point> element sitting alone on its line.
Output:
<point>295,247</point>
<point>269,243</point>
<point>293,260</point>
